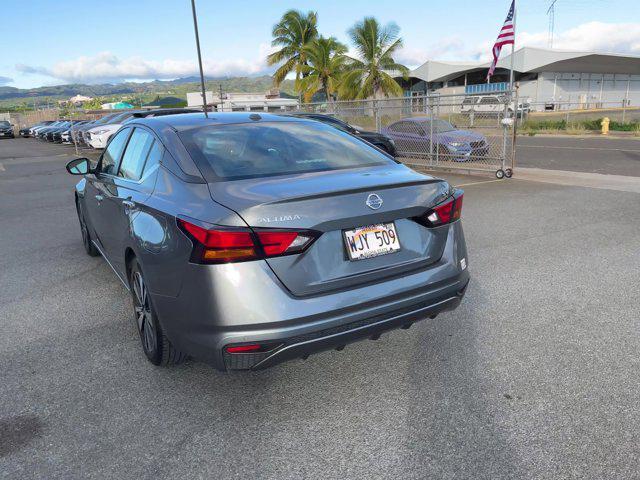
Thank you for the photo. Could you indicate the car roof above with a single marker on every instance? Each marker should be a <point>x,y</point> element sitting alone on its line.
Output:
<point>421,119</point>
<point>186,121</point>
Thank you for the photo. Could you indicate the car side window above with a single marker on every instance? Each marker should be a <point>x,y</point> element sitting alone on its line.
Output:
<point>136,154</point>
<point>154,157</point>
<point>399,127</point>
<point>113,152</point>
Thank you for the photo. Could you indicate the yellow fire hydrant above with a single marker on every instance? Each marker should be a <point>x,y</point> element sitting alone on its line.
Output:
<point>605,125</point>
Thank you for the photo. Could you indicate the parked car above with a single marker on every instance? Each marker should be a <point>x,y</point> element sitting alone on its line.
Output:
<point>33,131</point>
<point>413,137</point>
<point>50,134</point>
<point>6,129</point>
<point>26,132</point>
<point>492,105</point>
<point>41,133</point>
<point>79,133</point>
<point>98,137</point>
<point>67,135</point>
<point>248,239</point>
<point>379,140</point>
<point>56,135</point>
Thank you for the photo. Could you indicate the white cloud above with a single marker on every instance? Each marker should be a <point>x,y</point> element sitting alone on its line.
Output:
<point>415,56</point>
<point>596,36</point>
<point>106,67</point>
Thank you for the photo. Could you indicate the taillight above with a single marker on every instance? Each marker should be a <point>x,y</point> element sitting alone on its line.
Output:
<point>282,242</point>
<point>224,245</point>
<point>446,212</point>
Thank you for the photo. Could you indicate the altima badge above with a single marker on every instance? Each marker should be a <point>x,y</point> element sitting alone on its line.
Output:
<point>374,201</point>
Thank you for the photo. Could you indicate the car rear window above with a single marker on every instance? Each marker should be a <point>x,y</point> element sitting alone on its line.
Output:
<point>263,149</point>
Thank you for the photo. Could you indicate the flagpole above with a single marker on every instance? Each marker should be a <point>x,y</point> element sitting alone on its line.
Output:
<point>513,47</point>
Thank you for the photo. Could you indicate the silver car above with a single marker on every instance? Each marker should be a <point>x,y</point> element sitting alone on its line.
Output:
<point>248,239</point>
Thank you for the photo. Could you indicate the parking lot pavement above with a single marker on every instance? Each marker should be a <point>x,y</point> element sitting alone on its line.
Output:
<point>613,156</point>
<point>534,376</point>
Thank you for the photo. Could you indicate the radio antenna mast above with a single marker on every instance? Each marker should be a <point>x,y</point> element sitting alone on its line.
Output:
<point>551,11</point>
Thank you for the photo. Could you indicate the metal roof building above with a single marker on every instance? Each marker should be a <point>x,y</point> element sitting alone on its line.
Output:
<point>545,76</point>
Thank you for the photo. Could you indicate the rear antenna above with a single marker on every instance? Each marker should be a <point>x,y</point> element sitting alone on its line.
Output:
<point>195,28</point>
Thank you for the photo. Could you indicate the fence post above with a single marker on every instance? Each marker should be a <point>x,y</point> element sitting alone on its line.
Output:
<point>430,130</point>
<point>504,126</point>
<point>438,117</point>
<point>515,129</point>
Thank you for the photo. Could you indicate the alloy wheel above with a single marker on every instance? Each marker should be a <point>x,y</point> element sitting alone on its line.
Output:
<point>144,317</point>
<point>85,232</point>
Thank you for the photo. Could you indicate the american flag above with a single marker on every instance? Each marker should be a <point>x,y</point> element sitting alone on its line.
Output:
<point>507,36</point>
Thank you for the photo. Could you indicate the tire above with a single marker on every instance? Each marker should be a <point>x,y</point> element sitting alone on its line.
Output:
<point>499,173</point>
<point>508,173</point>
<point>87,242</point>
<point>155,344</point>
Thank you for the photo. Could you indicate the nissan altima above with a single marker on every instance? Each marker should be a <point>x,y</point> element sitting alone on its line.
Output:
<point>249,239</point>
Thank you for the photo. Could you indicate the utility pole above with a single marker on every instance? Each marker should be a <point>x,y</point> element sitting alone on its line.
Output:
<point>221,100</point>
<point>195,28</point>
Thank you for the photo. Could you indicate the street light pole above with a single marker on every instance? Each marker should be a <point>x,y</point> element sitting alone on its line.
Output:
<point>195,28</point>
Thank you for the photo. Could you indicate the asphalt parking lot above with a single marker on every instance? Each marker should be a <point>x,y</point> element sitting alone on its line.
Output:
<point>595,154</point>
<point>534,376</point>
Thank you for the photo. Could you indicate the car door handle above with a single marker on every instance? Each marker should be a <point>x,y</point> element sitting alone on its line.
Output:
<point>99,198</point>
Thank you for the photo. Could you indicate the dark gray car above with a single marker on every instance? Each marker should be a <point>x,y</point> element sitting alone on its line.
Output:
<point>250,239</point>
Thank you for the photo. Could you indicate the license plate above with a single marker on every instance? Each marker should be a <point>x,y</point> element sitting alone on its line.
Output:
<point>371,241</point>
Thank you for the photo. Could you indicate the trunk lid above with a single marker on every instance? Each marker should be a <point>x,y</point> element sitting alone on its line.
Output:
<point>334,201</point>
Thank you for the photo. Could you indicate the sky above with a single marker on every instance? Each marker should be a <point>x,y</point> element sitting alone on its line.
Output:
<point>80,41</point>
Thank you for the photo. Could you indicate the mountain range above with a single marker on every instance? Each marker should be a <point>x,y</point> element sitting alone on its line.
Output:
<point>177,87</point>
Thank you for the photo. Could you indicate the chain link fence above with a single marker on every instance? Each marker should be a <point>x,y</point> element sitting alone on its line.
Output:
<point>27,119</point>
<point>581,114</point>
<point>450,132</point>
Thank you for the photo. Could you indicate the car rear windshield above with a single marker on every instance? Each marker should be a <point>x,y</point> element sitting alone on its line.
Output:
<point>263,149</point>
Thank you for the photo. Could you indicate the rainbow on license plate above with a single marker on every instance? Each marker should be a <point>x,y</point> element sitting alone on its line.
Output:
<point>371,241</point>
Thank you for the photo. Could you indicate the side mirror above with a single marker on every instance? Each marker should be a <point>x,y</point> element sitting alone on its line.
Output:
<point>79,166</point>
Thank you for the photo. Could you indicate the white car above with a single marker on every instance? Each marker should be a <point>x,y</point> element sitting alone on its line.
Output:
<point>491,105</point>
<point>99,136</point>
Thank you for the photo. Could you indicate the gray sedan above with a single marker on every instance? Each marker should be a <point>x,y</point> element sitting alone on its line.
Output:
<point>250,239</point>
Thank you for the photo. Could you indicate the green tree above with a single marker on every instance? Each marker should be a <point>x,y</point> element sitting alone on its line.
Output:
<point>368,75</point>
<point>326,62</point>
<point>93,104</point>
<point>294,30</point>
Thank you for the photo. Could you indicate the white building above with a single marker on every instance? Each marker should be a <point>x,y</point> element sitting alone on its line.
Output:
<point>243,102</point>
<point>79,99</point>
<point>551,77</point>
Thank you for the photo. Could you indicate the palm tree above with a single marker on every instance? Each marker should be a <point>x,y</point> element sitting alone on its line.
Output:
<point>294,30</point>
<point>326,61</point>
<point>368,75</point>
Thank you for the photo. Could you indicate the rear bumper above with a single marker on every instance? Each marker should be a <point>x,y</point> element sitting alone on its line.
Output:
<point>337,338</point>
<point>245,303</point>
